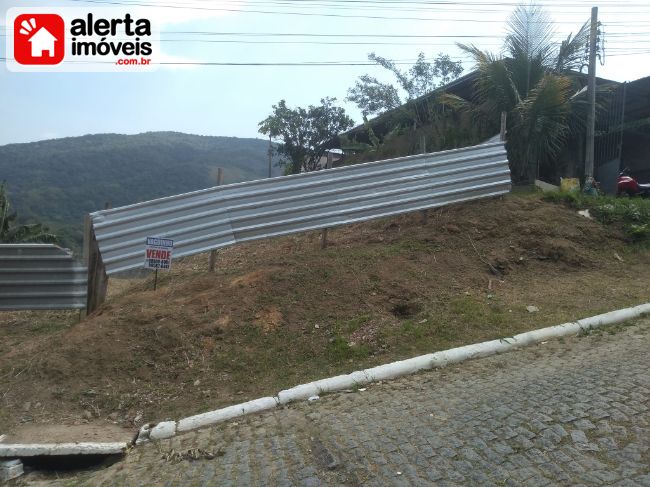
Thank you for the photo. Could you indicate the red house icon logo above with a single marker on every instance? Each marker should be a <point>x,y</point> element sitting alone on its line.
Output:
<point>39,39</point>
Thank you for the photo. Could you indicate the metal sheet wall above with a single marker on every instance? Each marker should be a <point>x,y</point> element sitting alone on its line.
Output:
<point>224,215</point>
<point>40,276</point>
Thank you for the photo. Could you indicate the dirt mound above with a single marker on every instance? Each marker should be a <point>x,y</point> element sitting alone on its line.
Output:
<point>279,312</point>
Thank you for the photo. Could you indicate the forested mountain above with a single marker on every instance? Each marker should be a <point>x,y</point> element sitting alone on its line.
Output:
<point>58,181</point>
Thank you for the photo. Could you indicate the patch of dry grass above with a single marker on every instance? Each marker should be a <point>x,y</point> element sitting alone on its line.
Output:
<point>281,312</point>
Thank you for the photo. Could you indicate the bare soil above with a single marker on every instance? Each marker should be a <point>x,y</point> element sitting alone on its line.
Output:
<point>281,312</point>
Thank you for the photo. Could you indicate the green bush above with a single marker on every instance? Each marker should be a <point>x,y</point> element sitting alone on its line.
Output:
<point>633,214</point>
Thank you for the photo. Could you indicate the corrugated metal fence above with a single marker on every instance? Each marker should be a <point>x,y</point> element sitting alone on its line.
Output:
<point>40,276</point>
<point>225,215</point>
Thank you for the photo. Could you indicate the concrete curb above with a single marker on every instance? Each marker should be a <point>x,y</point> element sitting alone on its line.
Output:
<point>167,429</point>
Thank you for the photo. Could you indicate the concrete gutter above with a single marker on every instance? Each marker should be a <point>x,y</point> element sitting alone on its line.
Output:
<point>167,429</point>
<point>60,449</point>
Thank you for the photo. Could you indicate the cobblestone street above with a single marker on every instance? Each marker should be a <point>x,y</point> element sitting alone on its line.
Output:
<point>568,412</point>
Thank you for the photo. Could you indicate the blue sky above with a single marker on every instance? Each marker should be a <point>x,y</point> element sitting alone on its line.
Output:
<point>230,101</point>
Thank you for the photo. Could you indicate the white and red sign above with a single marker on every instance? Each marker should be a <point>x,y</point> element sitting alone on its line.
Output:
<point>39,39</point>
<point>158,253</point>
<point>81,39</point>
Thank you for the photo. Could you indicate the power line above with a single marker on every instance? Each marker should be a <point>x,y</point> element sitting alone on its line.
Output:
<point>612,45</point>
<point>405,5</point>
<point>310,14</point>
<point>252,64</point>
<point>288,64</point>
<point>621,39</point>
<point>369,36</point>
<point>318,43</point>
<point>427,7</point>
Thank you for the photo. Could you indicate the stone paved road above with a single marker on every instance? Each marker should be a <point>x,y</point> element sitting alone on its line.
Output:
<point>571,412</point>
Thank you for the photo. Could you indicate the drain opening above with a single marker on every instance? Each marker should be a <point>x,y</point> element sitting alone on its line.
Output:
<point>69,463</point>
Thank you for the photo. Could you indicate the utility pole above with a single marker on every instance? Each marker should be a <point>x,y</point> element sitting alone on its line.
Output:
<point>591,96</point>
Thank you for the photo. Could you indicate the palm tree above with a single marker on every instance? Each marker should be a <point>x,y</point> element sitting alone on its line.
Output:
<point>10,232</point>
<point>534,84</point>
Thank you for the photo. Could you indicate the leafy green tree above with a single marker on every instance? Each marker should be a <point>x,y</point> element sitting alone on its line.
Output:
<point>56,182</point>
<point>374,97</point>
<point>534,85</point>
<point>11,232</point>
<point>304,134</point>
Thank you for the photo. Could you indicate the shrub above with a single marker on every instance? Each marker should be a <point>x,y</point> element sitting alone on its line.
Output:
<point>632,214</point>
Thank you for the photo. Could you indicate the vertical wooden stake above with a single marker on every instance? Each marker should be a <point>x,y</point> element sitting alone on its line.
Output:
<point>502,134</point>
<point>212,261</point>
<point>330,163</point>
<point>85,258</point>
<point>97,278</point>
<point>155,280</point>
<point>423,150</point>
<point>88,226</point>
<point>270,156</point>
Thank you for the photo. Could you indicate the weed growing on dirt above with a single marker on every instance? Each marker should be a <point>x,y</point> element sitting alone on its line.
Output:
<point>340,350</point>
<point>633,214</point>
<point>356,323</point>
<point>415,331</point>
<point>283,312</point>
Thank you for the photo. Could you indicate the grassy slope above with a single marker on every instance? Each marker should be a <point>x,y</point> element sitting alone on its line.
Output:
<point>280,312</point>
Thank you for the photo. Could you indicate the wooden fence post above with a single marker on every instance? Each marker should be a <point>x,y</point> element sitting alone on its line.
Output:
<point>85,249</point>
<point>86,244</point>
<point>323,238</point>
<point>212,262</point>
<point>502,133</point>
<point>323,235</point>
<point>423,150</point>
<point>97,278</point>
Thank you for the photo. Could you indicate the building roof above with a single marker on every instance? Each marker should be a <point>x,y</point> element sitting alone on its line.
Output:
<point>384,122</point>
<point>462,87</point>
<point>637,99</point>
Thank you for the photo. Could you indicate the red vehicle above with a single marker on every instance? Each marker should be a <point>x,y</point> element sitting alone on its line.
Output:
<point>626,185</point>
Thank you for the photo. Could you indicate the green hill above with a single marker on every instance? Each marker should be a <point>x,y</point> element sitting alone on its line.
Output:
<point>59,181</point>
